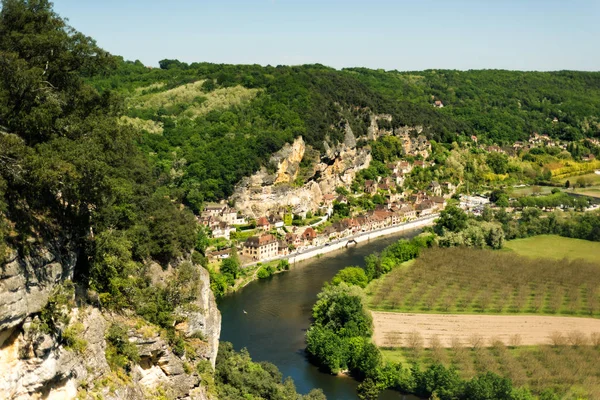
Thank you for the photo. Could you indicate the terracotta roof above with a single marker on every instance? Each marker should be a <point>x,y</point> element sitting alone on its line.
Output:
<point>262,221</point>
<point>257,241</point>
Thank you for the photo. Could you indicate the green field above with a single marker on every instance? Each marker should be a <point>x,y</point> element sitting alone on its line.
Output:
<point>529,190</point>
<point>591,178</point>
<point>555,247</point>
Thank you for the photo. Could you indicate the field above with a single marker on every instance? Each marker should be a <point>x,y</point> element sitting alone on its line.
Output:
<point>462,280</point>
<point>555,247</point>
<point>591,180</point>
<point>399,329</point>
<point>518,313</point>
<point>571,371</point>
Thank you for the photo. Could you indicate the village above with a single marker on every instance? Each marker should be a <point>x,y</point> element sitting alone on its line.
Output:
<point>277,234</point>
<point>280,232</point>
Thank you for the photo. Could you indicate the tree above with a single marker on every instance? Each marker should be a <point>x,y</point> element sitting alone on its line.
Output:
<point>368,390</point>
<point>452,219</point>
<point>567,184</point>
<point>231,267</point>
<point>352,276</point>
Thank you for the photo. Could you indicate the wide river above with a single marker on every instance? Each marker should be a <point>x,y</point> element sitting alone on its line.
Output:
<point>278,313</point>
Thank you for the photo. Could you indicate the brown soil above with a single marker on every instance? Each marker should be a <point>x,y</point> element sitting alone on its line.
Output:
<point>393,329</point>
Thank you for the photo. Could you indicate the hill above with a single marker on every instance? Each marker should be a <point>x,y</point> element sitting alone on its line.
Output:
<point>210,125</point>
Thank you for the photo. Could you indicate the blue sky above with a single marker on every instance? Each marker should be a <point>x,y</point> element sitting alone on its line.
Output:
<point>402,35</point>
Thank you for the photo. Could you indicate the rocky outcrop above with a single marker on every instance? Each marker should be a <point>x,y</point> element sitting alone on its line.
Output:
<point>338,165</point>
<point>39,364</point>
<point>203,319</point>
<point>27,281</point>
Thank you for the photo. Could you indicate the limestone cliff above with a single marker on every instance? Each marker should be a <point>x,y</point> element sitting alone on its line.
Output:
<point>36,363</point>
<point>337,165</point>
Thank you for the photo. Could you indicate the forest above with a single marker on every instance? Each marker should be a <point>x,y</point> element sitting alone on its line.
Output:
<point>205,126</point>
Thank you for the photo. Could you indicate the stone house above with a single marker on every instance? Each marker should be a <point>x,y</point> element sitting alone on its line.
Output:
<point>435,188</point>
<point>370,186</point>
<point>222,230</point>
<point>263,223</point>
<point>261,247</point>
<point>309,235</point>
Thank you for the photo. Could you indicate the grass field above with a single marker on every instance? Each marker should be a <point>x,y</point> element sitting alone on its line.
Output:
<point>555,247</point>
<point>529,190</point>
<point>591,178</point>
<point>463,280</point>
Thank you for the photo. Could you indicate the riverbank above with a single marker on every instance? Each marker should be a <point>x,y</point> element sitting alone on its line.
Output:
<point>347,241</point>
<point>278,312</point>
<point>330,247</point>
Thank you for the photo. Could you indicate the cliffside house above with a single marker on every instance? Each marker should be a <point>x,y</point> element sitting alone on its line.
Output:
<point>407,211</point>
<point>393,167</point>
<point>282,248</point>
<point>219,255</point>
<point>309,235</point>
<point>589,157</point>
<point>398,178</point>
<point>213,209</point>
<point>342,199</point>
<point>263,223</point>
<point>439,202</point>
<point>495,149</point>
<point>427,207</point>
<point>435,188</point>
<point>208,221</point>
<point>293,239</point>
<point>276,221</point>
<point>222,230</point>
<point>328,199</point>
<point>405,167</point>
<point>370,186</point>
<point>261,247</point>
<point>438,104</point>
<point>229,215</point>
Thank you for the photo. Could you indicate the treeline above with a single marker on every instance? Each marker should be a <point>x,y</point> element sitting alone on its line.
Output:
<point>339,339</point>
<point>493,227</point>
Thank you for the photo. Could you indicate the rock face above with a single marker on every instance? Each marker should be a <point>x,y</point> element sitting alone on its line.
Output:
<point>205,319</point>
<point>338,165</point>
<point>27,281</point>
<point>35,364</point>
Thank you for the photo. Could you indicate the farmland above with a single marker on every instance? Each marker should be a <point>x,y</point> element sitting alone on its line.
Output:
<point>528,313</point>
<point>462,280</point>
<point>571,371</point>
<point>555,247</point>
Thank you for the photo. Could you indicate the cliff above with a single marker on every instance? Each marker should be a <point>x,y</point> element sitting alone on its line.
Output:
<point>72,360</point>
<point>336,166</point>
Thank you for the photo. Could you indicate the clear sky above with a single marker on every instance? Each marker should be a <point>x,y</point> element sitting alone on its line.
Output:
<point>401,34</point>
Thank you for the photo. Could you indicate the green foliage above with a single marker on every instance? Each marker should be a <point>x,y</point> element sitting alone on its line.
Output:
<point>120,352</point>
<point>452,219</point>
<point>72,339</point>
<point>55,312</point>
<point>265,272</point>
<point>351,276</point>
<point>237,377</point>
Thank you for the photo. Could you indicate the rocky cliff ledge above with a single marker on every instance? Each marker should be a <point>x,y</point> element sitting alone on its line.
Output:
<point>337,165</point>
<point>72,360</point>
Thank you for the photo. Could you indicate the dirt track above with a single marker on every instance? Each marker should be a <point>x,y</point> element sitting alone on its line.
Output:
<point>392,329</point>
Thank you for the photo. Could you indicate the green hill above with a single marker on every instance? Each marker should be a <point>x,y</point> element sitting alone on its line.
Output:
<point>209,125</point>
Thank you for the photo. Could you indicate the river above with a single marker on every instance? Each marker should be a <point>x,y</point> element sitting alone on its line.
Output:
<point>278,313</point>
